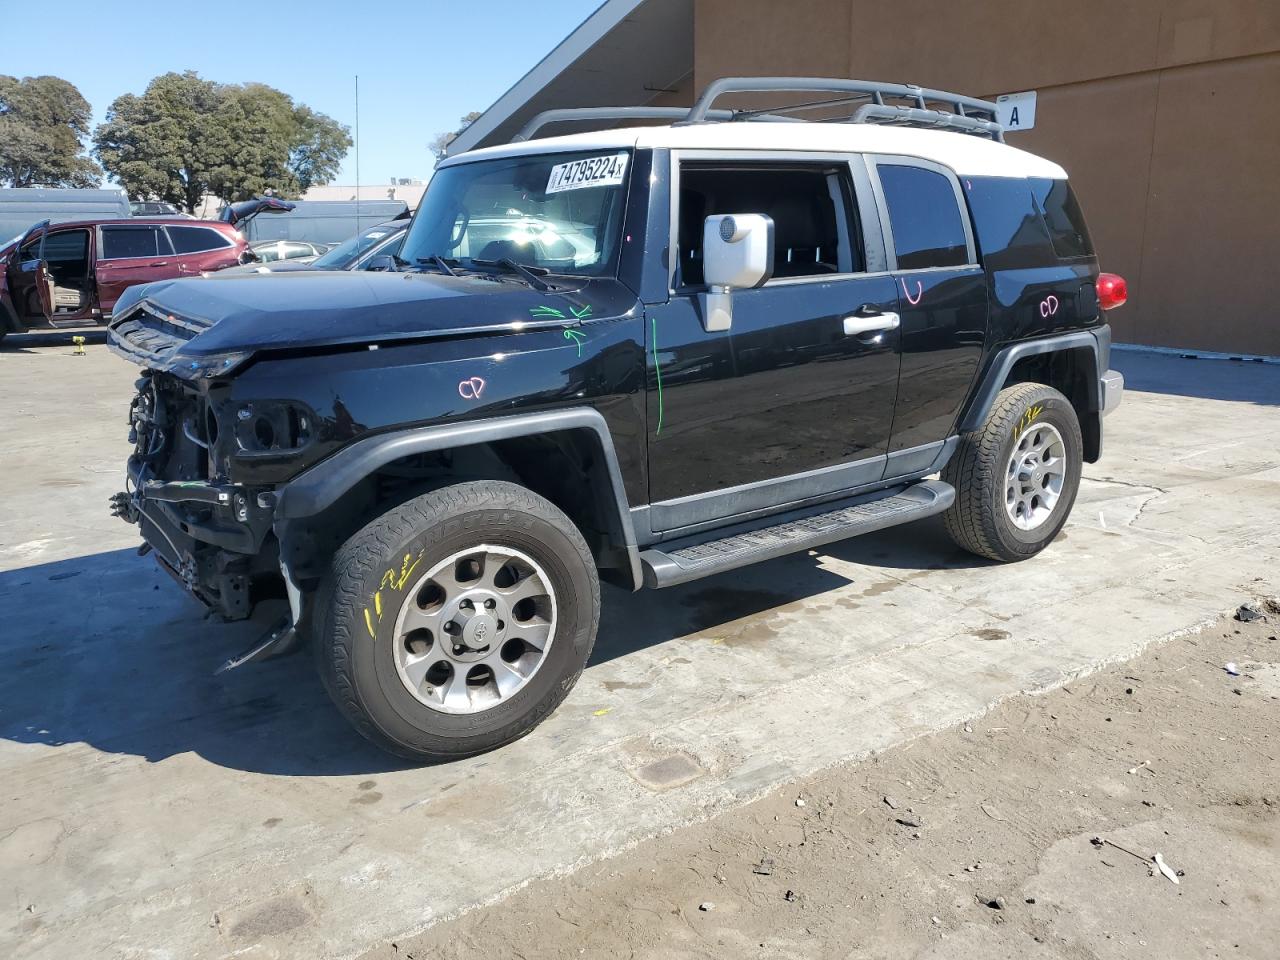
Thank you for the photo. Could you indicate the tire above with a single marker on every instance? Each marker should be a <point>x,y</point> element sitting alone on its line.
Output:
<point>381,582</point>
<point>987,518</point>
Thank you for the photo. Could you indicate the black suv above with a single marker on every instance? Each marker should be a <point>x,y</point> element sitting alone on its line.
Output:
<point>642,355</point>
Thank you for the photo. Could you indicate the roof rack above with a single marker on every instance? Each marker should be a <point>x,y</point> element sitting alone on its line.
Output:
<point>571,114</point>
<point>873,99</point>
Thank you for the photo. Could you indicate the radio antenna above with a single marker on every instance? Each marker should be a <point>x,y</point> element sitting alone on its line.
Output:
<point>357,157</point>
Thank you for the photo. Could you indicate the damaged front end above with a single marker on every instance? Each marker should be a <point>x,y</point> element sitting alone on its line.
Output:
<point>213,535</point>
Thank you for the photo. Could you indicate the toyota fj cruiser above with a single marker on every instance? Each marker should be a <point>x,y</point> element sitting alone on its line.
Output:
<point>643,355</point>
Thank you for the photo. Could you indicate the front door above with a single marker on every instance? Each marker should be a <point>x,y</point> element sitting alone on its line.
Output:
<point>129,255</point>
<point>785,406</point>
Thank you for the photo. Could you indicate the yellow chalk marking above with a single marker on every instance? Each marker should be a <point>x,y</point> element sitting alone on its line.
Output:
<point>377,603</point>
<point>368,622</point>
<point>601,713</point>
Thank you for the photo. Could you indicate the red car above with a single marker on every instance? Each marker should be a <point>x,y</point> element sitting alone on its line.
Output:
<point>77,271</point>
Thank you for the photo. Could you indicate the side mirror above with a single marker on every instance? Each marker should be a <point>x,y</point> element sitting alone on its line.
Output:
<point>383,263</point>
<point>737,254</point>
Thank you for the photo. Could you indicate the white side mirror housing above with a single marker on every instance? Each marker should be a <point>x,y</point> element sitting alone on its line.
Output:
<point>737,254</point>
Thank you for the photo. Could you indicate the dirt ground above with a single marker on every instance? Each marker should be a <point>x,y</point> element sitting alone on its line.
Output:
<point>1026,834</point>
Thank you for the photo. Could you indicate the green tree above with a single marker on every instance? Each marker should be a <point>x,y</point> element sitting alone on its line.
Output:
<point>42,123</point>
<point>440,143</point>
<point>156,145</point>
<point>186,137</point>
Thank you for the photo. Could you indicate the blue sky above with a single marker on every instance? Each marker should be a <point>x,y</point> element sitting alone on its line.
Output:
<point>421,65</point>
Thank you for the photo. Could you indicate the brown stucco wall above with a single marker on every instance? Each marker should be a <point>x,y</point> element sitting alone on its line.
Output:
<point>1166,113</point>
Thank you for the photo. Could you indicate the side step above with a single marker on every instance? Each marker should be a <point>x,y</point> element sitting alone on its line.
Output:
<point>684,560</point>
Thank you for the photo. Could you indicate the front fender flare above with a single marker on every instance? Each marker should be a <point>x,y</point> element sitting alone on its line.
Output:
<point>321,485</point>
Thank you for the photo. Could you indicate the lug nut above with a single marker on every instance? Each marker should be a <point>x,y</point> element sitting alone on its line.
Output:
<point>490,604</point>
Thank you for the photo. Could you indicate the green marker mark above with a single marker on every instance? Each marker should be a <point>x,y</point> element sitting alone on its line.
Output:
<point>540,313</point>
<point>658,370</point>
<point>577,337</point>
<point>552,313</point>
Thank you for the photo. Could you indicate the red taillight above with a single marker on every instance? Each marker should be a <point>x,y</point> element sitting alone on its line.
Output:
<point>1113,291</point>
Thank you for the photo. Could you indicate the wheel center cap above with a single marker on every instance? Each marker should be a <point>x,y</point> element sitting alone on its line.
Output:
<point>479,631</point>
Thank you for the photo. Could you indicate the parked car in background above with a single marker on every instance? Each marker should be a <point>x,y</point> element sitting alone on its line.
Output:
<point>321,221</point>
<point>156,208</point>
<point>356,253</point>
<point>20,207</point>
<point>75,272</point>
<point>273,251</point>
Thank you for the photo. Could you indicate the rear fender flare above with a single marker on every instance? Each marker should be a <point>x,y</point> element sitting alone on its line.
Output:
<point>321,485</point>
<point>1097,342</point>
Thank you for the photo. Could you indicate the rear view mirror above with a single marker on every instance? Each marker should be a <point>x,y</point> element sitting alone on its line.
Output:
<point>737,254</point>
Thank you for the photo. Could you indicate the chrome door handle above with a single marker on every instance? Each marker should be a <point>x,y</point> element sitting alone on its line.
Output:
<point>856,325</point>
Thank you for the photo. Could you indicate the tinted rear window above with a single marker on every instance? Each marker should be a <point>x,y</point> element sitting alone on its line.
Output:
<point>196,239</point>
<point>927,227</point>
<point>1062,215</point>
<point>1011,232</point>
<point>119,243</point>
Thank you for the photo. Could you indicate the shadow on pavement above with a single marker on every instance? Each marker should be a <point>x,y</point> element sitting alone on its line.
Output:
<point>1236,380</point>
<point>106,650</point>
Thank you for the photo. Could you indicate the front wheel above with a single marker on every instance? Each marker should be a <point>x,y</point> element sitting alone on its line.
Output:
<point>1016,477</point>
<point>456,622</point>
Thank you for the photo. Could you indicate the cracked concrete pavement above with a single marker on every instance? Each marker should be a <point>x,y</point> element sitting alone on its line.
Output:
<point>153,809</point>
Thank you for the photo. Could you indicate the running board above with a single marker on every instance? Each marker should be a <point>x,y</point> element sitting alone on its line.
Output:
<point>685,560</point>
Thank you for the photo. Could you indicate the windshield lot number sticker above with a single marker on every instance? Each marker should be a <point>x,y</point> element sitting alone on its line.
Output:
<point>591,172</point>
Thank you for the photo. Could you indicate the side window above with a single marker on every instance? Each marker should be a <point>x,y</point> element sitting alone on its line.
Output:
<point>1010,230</point>
<point>69,246</point>
<point>1063,217</point>
<point>814,230</point>
<point>120,243</point>
<point>925,218</point>
<point>196,239</point>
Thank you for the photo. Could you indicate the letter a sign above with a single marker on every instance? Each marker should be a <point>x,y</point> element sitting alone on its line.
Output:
<point>1016,111</point>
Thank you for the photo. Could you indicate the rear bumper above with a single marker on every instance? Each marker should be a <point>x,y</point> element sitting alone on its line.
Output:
<point>1112,390</point>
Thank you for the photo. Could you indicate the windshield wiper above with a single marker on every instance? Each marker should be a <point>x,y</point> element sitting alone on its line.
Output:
<point>529,274</point>
<point>439,262</point>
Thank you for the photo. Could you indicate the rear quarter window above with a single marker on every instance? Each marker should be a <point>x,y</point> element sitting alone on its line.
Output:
<point>1063,218</point>
<point>196,239</point>
<point>927,225</point>
<point>1010,230</point>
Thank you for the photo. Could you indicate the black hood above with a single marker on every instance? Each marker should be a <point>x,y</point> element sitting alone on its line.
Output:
<point>297,310</point>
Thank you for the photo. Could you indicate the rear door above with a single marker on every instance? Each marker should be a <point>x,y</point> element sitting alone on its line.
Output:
<point>784,406</point>
<point>942,300</point>
<point>129,255</point>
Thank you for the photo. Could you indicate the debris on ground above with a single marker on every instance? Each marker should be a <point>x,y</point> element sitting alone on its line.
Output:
<point>764,867</point>
<point>1165,868</point>
<point>707,906</point>
<point>1232,669</point>
<point>1133,770</point>
<point>1249,612</point>
<point>789,896</point>
<point>914,822</point>
<point>799,802</point>
<point>890,802</point>
<point>992,812</point>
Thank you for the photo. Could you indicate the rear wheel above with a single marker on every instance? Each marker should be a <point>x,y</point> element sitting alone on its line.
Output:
<point>458,621</point>
<point>1017,476</point>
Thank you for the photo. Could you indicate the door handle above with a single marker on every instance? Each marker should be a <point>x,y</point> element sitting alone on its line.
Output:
<point>160,263</point>
<point>857,325</point>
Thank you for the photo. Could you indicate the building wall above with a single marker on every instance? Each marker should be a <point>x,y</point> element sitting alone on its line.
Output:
<point>1166,113</point>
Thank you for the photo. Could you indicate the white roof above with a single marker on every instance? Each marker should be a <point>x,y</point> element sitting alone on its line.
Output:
<point>964,153</point>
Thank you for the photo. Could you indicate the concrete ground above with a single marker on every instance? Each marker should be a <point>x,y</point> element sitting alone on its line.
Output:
<point>153,809</point>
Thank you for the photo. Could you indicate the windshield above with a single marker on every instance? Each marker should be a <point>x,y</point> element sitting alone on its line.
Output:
<point>561,212</point>
<point>346,253</point>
